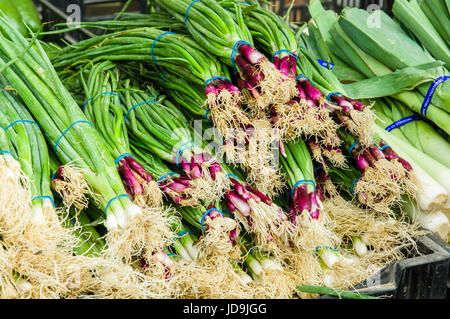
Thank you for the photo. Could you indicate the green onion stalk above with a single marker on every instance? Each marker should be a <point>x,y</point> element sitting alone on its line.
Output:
<point>305,204</point>
<point>250,147</point>
<point>221,36</point>
<point>103,108</point>
<point>176,53</point>
<point>385,175</point>
<point>157,126</point>
<point>301,115</point>
<point>23,141</point>
<point>323,87</point>
<point>76,142</point>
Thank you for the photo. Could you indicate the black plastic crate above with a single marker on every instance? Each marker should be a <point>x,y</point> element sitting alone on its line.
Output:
<point>420,277</point>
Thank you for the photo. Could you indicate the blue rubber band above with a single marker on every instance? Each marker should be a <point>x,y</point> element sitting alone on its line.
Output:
<point>6,152</point>
<point>301,182</point>
<point>186,14</point>
<point>103,93</point>
<point>215,78</point>
<point>153,46</point>
<point>182,148</point>
<point>302,47</point>
<point>53,176</point>
<point>429,95</point>
<point>383,147</point>
<point>235,51</point>
<point>232,175</point>
<point>59,139</point>
<point>172,255</point>
<point>318,167</point>
<point>248,252</point>
<point>303,76</point>
<point>229,213</point>
<point>326,64</point>
<point>402,122</point>
<point>135,106</point>
<point>165,175</point>
<point>285,51</point>
<point>184,232</point>
<point>43,197</point>
<point>332,93</point>
<point>353,184</point>
<point>113,199</point>
<point>121,157</point>
<point>206,116</point>
<point>327,247</point>
<point>206,214</point>
<point>20,121</point>
<point>353,146</point>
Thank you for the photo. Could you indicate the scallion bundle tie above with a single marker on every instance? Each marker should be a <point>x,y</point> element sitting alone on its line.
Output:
<point>431,90</point>
<point>331,94</point>
<point>113,199</point>
<point>19,121</point>
<point>153,46</point>
<point>64,133</point>
<point>285,51</point>
<point>95,96</point>
<point>121,157</point>
<point>44,197</point>
<point>353,184</point>
<point>165,175</point>
<point>383,147</point>
<point>353,146</point>
<point>187,12</point>
<point>215,78</point>
<point>326,64</point>
<point>6,152</point>
<point>135,106</point>
<point>304,76</point>
<point>302,182</point>
<point>232,175</point>
<point>182,148</point>
<point>402,122</point>
<point>235,50</point>
<point>206,214</point>
<point>327,247</point>
<point>184,232</point>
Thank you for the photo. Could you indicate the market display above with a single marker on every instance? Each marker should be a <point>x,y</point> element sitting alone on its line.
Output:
<point>211,149</point>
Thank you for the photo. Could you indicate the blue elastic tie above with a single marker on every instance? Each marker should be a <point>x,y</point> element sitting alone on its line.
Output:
<point>121,157</point>
<point>184,232</point>
<point>229,213</point>
<point>302,76</point>
<point>332,93</point>
<point>206,116</point>
<point>235,51</point>
<point>303,181</point>
<point>383,147</point>
<point>402,122</point>
<point>186,14</point>
<point>165,175</point>
<point>206,214</point>
<point>248,252</point>
<point>353,146</point>
<point>139,104</point>
<point>215,78</point>
<point>318,167</point>
<point>353,184</point>
<point>113,199</point>
<point>112,93</point>
<point>153,46</point>
<point>286,51</point>
<point>172,255</point>
<point>59,139</point>
<point>431,90</point>
<point>53,176</point>
<point>42,197</point>
<point>327,247</point>
<point>232,175</point>
<point>20,121</point>
<point>326,64</point>
<point>182,148</point>
<point>6,152</point>
<point>302,47</point>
